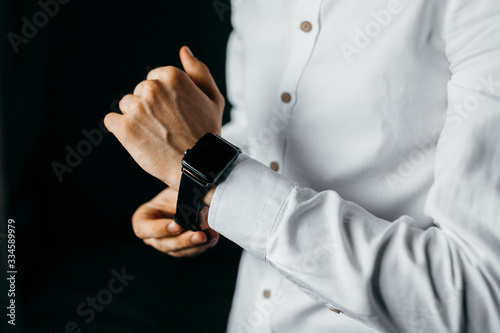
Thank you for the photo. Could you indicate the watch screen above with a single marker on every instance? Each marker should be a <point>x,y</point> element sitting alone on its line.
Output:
<point>209,157</point>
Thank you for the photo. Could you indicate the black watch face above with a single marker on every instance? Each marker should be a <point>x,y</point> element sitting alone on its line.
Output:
<point>210,157</point>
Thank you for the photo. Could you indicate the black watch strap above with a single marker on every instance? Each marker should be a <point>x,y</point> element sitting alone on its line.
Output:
<point>190,202</point>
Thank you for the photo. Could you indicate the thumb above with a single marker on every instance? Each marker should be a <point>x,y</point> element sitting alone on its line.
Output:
<point>200,74</point>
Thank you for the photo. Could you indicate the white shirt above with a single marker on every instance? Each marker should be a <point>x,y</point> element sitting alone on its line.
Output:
<point>386,200</point>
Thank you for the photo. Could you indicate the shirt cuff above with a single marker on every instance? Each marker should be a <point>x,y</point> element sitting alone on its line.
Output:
<point>246,205</point>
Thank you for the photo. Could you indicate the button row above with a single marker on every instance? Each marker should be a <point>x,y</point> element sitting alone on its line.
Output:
<point>306,27</point>
<point>287,98</point>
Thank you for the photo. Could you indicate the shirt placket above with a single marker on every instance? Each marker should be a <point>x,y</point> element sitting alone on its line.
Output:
<point>306,27</point>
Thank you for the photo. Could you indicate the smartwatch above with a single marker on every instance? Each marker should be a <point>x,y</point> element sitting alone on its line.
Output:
<point>202,167</point>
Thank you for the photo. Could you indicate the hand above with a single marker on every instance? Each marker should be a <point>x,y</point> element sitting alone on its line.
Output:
<point>166,115</point>
<point>153,223</point>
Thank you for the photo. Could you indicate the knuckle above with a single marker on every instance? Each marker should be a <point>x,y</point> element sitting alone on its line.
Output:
<point>155,73</point>
<point>177,244</point>
<point>130,103</point>
<point>221,100</point>
<point>138,233</point>
<point>165,248</point>
<point>160,248</point>
<point>150,88</point>
<point>137,230</point>
<point>161,245</point>
<point>172,75</point>
<point>108,121</point>
<point>169,70</point>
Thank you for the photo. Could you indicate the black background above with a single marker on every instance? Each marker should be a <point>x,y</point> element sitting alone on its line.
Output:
<point>71,234</point>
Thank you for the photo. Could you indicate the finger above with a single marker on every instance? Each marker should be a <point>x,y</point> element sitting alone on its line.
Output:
<point>194,251</point>
<point>119,126</point>
<point>213,239</point>
<point>148,88</point>
<point>154,219</point>
<point>187,252</point>
<point>212,234</point>
<point>155,228</point>
<point>112,120</point>
<point>183,241</point>
<point>130,103</point>
<point>147,224</point>
<point>200,74</point>
<point>167,77</point>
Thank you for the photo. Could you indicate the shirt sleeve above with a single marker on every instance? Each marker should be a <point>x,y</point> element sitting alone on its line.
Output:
<point>391,275</point>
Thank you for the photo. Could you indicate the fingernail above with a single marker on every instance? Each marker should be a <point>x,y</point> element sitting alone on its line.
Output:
<point>189,51</point>
<point>174,228</point>
<point>199,238</point>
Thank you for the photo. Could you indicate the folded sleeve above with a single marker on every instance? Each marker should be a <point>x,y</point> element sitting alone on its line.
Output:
<point>391,275</point>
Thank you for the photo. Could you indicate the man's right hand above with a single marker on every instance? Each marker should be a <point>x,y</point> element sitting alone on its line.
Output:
<point>153,223</point>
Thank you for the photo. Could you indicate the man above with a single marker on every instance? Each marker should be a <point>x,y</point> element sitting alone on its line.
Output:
<point>379,123</point>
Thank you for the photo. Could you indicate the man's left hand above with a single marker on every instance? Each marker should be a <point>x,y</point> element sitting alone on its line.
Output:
<point>166,115</point>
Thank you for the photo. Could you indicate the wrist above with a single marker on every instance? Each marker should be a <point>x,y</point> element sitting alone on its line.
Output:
<point>203,166</point>
<point>207,200</point>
